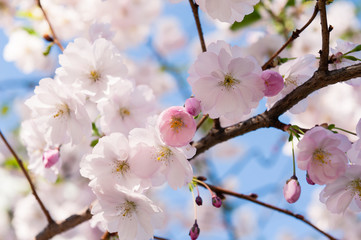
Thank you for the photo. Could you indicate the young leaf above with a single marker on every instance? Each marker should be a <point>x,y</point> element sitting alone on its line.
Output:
<point>247,20</point>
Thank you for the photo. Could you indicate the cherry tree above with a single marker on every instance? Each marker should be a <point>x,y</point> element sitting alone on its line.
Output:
<point>126,131</point>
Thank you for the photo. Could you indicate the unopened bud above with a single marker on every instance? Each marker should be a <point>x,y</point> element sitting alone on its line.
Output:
<point>309,180</point>
<point>48,38</point>
<point>292,190</point>
<point>216,201</point>
<point>199,201</point>
<point>273,82</point>
<point>193,106</point>
<point>51,157</point>
<point>194,232</point>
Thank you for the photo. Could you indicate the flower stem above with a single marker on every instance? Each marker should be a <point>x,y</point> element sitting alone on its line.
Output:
<point>205,185</point>
<point>341,129</point>
<point>293,159</point>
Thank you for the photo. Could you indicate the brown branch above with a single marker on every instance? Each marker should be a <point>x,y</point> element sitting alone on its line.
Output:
<point>325,37</point>
<point>20,162</point>
<point>270,118</point>
<point>198,23</point>
<point>203,119</point>
<point>56,228</point>
<point>295,34</point>
<point>253,198</point>
<point>54,37</point>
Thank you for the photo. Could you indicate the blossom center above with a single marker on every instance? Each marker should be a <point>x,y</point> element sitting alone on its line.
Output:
<point>229,82</point>
<point>355,186</point>
<point>94,75</point>
<point>163,154</point>
<point>127,208</point>
<point>321,156</point>
<point>122,167</point>
<point>177,123</point>
<point>62,109</point>
<point>290,81</point>
<point>124,112</point>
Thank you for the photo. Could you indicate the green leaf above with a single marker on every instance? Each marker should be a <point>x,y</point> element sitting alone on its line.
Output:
<point>48,48</point>
<point>94,142</point>
<point>352,58</point>
<point>247,20</point>
<point>355,49</point>
<point>11,163</point>
<point>290,3</point>
<point>29,30</point>
<point>290,138</point>
<point>95,130</point>
<point>4,109</point>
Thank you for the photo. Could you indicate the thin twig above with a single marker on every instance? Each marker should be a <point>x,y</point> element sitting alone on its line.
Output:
<point>20,162</point>
<point>198,23</point>
<point>295,34</point>
<point>253,199</point>
<point>203,119</point>
<point>325,37</point>
<point>54,37</point>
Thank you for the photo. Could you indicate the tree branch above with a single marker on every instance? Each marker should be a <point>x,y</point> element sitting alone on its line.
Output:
<point>56,228</point>
<point>253,198</point>
<point>270,118</point>
<point>198,24</point>
<point>325,37</point>
<point>54,37</point>
<point>20,162</point>
<point>295,34</point>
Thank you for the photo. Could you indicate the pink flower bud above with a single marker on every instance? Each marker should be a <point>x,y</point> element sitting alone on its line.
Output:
<point>216,201</point>
<point>193,106</point>
<point>292,190</point>
<point>273,82</point>
<point>199,201</point>
<point>177,127</point>
<point>194,232</point>
<point>309,180</point>
<point>51,157</point>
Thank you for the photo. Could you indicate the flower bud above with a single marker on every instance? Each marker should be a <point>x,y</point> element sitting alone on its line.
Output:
<point>216,201</point>
<point>199,201</point>
<point>194,232</point>
<point>273,82</point>
<point>51,157</point>
<point>309,180</point>
<point>292,190</point>
<point>193,106</point>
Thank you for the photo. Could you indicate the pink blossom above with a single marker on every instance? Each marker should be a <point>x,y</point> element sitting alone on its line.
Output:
<point>228,84</point>
<point>227,10</point>
<point>51,157</point>
<point>194,232</point>
<point>177,127</point>
<point>273,82</point>
<point>339,194</point>
<point>322,154</point>
<point>193,106</point>
<point>292,190</point>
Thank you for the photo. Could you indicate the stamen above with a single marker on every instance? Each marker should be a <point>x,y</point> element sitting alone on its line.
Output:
<point>177,123</point>
<point>163,154</point>
<point>321,156</point>
<point>229,82</point>
<point>127,208</point>
<point>62,109</point>
<point>355,186</point>
<point>122,167</point>
<point>124,112</point>
<point>94,75</point>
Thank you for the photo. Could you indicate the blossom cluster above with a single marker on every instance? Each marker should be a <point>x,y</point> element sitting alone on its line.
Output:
<point>331,160</point>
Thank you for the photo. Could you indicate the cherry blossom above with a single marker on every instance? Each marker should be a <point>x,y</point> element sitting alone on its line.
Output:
<point>129,213</point>
<point>176,126</point>
<point>126,107</point>
<point>339,194</point>
<point>323,154</point>
<point>273,82</point>
<point>193,106</point>
<point>61,111</point>
<point>91,67</point>
<point>227,10</point>
<point>227,84</point>
<point>157,162</point>
<point>109,162</point>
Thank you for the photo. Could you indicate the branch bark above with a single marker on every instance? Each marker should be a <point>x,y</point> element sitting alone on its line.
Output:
<point>56,228</point>
<point>325,37</point>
